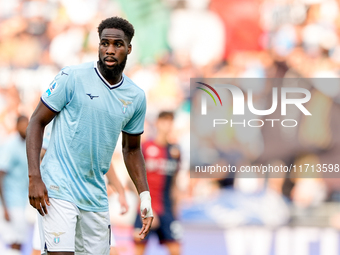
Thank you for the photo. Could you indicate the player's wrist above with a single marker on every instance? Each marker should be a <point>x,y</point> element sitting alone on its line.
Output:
<point>145,203</point>
<point>121,192</point>
<point>34,176</point>
<point>145,195</point>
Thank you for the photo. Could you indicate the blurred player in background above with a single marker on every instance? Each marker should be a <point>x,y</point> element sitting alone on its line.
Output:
<point>91,104</point>
<point>13,189</point>
<point>162,161</point>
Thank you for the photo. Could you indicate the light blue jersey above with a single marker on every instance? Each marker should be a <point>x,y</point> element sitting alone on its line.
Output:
<point>47,135</point>
<point>91,115</point>
<point>13,161</point>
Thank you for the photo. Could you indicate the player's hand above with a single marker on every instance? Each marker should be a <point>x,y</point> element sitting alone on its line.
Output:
<point>147,221</point>
<point>38,195</point>
<point>6,215</point>
<point>123,204</point>
<point>146,213</point>
<point>155,222</point>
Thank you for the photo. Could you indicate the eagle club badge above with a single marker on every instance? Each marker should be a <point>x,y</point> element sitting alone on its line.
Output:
<point>57,240</point>
<point>57,236</point>
<point>125,105</point>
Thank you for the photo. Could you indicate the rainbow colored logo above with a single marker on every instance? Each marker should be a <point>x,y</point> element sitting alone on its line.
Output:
<point>212,89</point>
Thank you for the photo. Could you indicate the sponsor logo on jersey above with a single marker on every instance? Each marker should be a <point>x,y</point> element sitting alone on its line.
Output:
<point>92,96</point>
<point>52,88</point>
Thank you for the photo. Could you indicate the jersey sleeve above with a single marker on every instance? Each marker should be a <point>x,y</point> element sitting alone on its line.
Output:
<point>60,91</point>
<point>135,126</point>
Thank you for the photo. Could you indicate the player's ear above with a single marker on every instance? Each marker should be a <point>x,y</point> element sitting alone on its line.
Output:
<point>129,48</point>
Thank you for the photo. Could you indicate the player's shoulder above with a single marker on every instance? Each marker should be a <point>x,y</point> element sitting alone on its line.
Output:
<point>129,84</point>
<point>174,150</point>
<point>74,69</point>
<point>173,146</point>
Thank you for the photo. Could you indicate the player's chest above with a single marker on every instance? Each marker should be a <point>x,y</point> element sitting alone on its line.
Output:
<point>98,99</point>
<point>160,160</point>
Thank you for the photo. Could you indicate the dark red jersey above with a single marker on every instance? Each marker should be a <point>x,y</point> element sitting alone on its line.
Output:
<point>162,163</point>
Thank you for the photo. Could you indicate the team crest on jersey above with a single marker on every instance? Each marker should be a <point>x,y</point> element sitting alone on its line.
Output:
<point>57,236</point>
<point>125,105</point>
<point>51,88</point>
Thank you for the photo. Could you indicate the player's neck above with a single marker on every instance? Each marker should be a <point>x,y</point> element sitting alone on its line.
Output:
<point>113,80</point>
<point>109,77</point>
<point>161,140</point>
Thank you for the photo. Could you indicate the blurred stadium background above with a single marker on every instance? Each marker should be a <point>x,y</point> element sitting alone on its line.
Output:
<point>176,40</point>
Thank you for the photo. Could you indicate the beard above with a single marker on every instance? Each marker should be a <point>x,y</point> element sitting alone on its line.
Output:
<point>111,73</point>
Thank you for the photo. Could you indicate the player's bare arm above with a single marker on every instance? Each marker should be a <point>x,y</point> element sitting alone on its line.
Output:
<point>114,182</point>
<point>2,199</point>
<point>37,190</point>
<point>135,165</point>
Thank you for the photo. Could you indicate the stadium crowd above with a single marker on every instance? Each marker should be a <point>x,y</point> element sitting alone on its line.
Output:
<point>265,39</point>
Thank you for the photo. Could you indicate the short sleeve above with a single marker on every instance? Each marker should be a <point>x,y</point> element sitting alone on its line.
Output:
<point>135,126</point>
<point>60,91</point>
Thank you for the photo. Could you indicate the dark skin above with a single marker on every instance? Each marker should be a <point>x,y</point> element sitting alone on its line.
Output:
<point>113,49</point>
<point>164,126</point>
<point>134,159</point>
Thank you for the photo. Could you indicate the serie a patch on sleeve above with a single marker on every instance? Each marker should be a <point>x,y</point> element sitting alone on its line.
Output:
<point>53,86</point>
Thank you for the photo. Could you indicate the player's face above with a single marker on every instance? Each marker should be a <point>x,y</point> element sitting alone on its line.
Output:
<point>164,125</point>
<point>113,50</point>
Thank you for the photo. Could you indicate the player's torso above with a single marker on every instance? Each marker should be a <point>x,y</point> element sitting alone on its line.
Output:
<point>84,136</point>
<point>18,165</point>
<point>95,117</point>
<point>161,164</point>
<point>94,101</point>
<point>162,160</point>
<point>16,179</point>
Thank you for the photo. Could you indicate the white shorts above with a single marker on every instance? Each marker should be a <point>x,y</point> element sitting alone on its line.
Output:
<point>14,231</point>
<point>70,229</point>
<point>36,243</point>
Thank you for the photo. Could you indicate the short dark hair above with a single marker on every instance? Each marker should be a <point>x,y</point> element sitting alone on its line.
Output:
<point>165,114</point>
<point>118,23</point>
